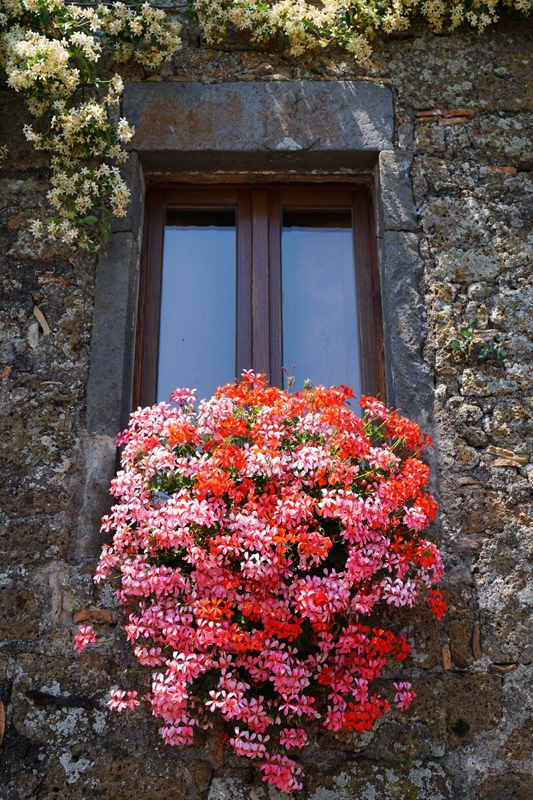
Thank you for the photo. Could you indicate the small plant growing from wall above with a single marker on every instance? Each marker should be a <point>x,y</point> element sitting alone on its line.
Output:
<point>253,538</point>
<point>473,350</point>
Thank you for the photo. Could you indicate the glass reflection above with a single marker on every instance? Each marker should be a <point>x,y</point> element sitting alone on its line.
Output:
<point>320,325</point>
<point>198,301</point>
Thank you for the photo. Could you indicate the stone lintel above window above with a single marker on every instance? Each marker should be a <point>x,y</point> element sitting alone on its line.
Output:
<point>289,125</point>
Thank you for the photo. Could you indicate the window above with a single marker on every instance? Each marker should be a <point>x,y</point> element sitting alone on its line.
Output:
<point>262,277</point>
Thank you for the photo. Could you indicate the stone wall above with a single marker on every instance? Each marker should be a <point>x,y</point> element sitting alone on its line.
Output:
<point>469,734</point>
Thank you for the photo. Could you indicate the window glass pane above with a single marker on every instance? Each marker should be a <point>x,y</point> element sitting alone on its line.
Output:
<point>198,301</point>
<point>320,326</point>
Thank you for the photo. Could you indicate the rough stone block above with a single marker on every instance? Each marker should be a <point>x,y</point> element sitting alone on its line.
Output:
<point>517,785</point>
<point>98,455</point>
<point>19,618</point>
<point>410,380</point>
<point>396,194</point>
<point>504,140</point>
<point>112,335</point>
<point>21,151</point>
<point>505,595</point>
<point>519,744</point>
<point>457,707</point>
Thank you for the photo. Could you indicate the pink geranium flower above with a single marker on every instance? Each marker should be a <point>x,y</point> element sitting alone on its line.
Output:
<point>85,636</point>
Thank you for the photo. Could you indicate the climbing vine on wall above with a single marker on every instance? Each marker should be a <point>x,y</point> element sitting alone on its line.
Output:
<point>350,24</point>
<point>52,51</point>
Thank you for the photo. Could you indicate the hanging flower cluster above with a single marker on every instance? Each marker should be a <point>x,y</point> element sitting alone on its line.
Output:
<point>50,50</point>
<point>253,539</point>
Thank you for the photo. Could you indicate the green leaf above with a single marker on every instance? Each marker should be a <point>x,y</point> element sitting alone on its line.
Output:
<point>456,345</point>
<point>90,220</point>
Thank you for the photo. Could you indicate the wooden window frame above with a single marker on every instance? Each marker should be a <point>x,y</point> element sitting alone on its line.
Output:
<point>259,301</point>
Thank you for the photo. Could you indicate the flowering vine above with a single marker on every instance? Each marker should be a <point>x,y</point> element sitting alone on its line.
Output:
<point>253,539</point>
<point>304,24</point>
<point>50,50</point>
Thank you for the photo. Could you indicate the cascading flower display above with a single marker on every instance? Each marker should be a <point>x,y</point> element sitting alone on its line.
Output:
<point>253,539</point>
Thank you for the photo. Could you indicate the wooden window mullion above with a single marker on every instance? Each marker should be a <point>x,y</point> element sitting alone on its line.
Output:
<point>244,344</point>
<point>379,353</point>
<point>275,306</point>
<point>368,300</point>
<point>260,282</point>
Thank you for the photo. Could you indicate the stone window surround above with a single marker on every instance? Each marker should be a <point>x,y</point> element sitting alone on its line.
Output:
<point>306,130</point>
